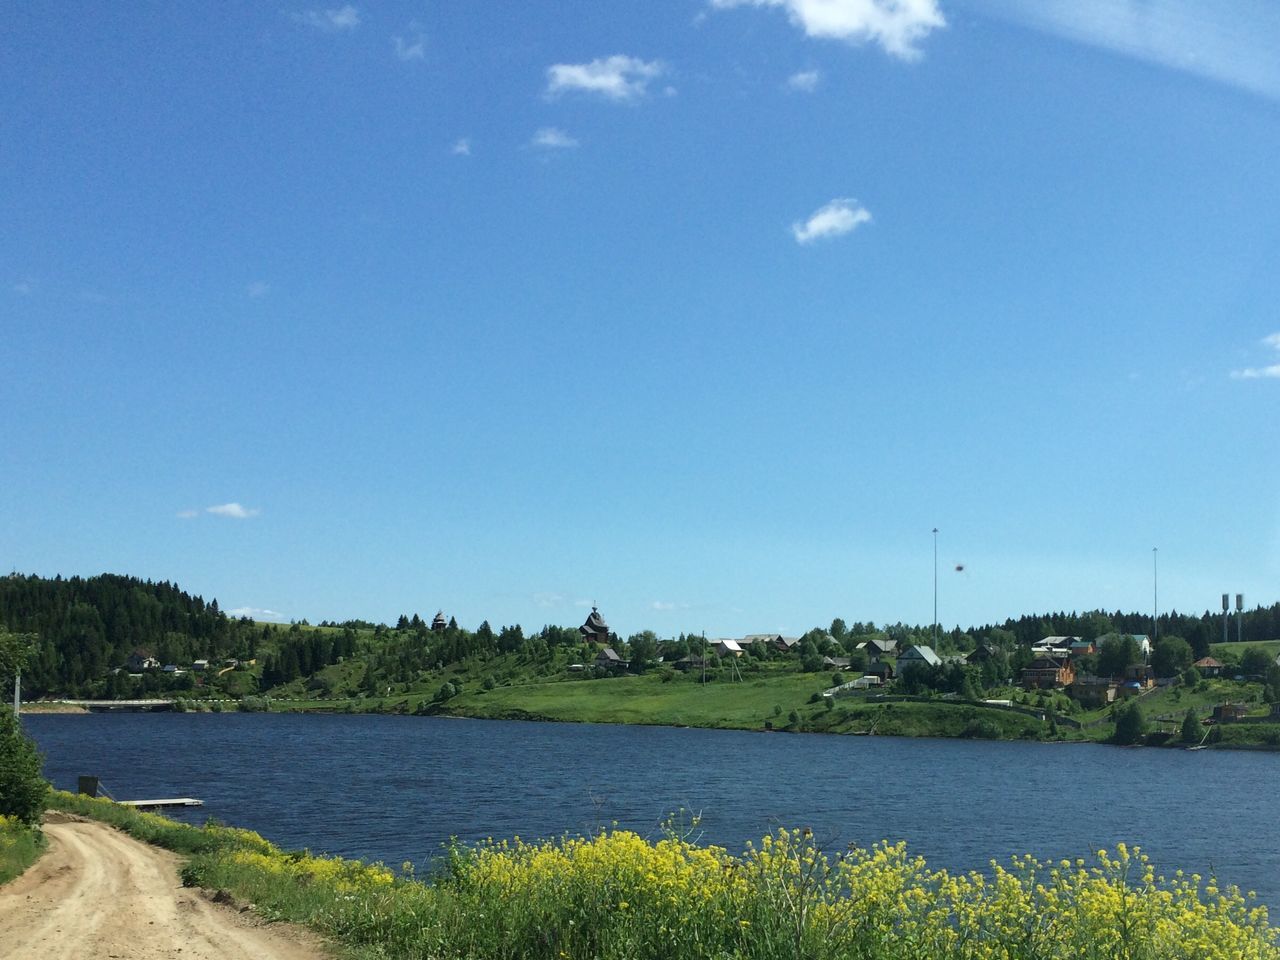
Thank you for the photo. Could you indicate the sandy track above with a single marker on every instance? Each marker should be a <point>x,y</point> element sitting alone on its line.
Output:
<point>97,893</point>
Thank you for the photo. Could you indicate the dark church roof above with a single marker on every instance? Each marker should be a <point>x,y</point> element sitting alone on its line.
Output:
<point>595,625</point>
<point>439,622</point>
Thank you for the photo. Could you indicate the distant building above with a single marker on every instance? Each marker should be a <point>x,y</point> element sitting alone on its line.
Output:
<point>438,622</point>
<point>918,654</point>
<point>141,660</point>
<point>1094,691</point>
<point>595,630</point>
<point>771,639</point>
<point>1230,712</point>
<point>1047,673</point>
<point>727,648</point>
<point>609,659</point>
<point>1208,667</point>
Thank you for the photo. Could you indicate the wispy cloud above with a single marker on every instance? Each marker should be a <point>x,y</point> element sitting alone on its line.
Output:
<point>331,21</point>
<point>1267,372</point>
<point>897,26</point>
<point>615,78</point>
<point>805,81</point>
<point>255,613</point>
<point>666,606</point>
<point>1232,43</point>
<point>548,599</point>
<point>835,219</point>
<point>233,510</point>
<point>25,287</point>
<point>461,147</point>
<point>188,514</point>
<point>411,48</point>
<point>553,138</point>
<point>257,290</point>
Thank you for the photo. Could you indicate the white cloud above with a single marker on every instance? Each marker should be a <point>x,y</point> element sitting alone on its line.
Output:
<point>1257,373</point>
<point>187,514</point>
<point>257,290</point>
<point>339,18</point>
<point>897,25</point>
<point>806,81</point>
<point>548,599</point>
<point>835,219</point>
<point>666,606</point>
<point>25,288</point>
<point>583,603</point>
<point>413,49</point>
<point>233,510</point>
<point>1270,372</point>
<point>1232,43</point>
<point>616,78</point>
<point>553,138</point>
<point>461,147</point>
<point>256,613</point>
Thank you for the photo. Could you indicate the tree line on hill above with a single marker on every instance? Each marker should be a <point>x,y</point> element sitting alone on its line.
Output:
<point>83,629</point>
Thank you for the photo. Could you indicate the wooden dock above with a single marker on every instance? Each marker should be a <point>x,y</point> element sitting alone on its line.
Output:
<point>157,804</point>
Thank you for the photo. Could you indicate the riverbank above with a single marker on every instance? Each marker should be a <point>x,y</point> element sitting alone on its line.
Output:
<point>614,895</point>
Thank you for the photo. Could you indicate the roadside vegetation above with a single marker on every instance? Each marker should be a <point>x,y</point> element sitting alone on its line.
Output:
<point>618,895</point>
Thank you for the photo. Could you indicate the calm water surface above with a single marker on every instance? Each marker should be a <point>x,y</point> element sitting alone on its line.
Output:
<point>396,788</point>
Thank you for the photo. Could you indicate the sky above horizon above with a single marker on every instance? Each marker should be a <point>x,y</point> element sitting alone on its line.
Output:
<point>706,312</point>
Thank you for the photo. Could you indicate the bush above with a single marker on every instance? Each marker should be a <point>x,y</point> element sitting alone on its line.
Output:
<point>22,788</point>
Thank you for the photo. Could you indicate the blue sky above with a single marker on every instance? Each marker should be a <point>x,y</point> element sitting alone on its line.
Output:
<point>706,311</point>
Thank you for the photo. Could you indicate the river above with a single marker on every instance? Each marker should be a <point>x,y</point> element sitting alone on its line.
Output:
<point>397,788</point>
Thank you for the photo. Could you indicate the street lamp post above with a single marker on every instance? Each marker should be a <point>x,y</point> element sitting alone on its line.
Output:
<point>935,588</point>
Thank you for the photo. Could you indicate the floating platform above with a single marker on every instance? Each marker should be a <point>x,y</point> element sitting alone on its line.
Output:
<point>157,804</point>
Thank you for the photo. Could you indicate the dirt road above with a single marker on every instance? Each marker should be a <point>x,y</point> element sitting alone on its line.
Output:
<point>97,893</point>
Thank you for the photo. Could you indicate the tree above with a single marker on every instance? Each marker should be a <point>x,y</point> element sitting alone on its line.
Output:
<point>644,649</point>
<point>1254,662</point>
<point>1190,728</point>
<point>1171,656</point>
<point>1116,653</point>
<point>1131,723</point>
<point>22,789</point>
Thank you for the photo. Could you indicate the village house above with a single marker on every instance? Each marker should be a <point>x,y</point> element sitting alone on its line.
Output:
<point>1082,648</point>
<point>1208,667</point>
<point>141,660</point>
<point>876,648</point>
<point>1057,647</point>
<point>923,655</point>
<point>1141,674</point>
<point>786,644</point>
<point>727,648</point>
<point>1047,673</point>
<point>609,659</point>
<point>1093,691</point>
<point>836,663</point>
<point>982,653</point>
<point>769,639</point>
<point>882,670</point>
<point>1229,712</point>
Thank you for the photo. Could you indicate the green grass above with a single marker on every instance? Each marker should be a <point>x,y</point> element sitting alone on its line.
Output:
<point>682,701</point>
<point>1218,649</point>
<point>20,846</point>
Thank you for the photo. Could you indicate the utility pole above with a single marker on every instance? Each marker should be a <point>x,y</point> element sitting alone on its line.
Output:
<point>1226,608</point>
<point>935,589</point>
<point>17,693</point>
<point>1155,595</point>
<point>1239,618</point>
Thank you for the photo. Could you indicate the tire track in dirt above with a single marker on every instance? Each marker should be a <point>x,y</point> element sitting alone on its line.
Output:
<point>99,893</point>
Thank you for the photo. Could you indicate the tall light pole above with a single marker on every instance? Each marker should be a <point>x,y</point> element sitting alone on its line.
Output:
<point>935,589</point>
<point>1155,595</point>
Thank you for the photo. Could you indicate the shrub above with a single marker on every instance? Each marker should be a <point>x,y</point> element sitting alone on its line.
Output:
<point>22,788</point>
